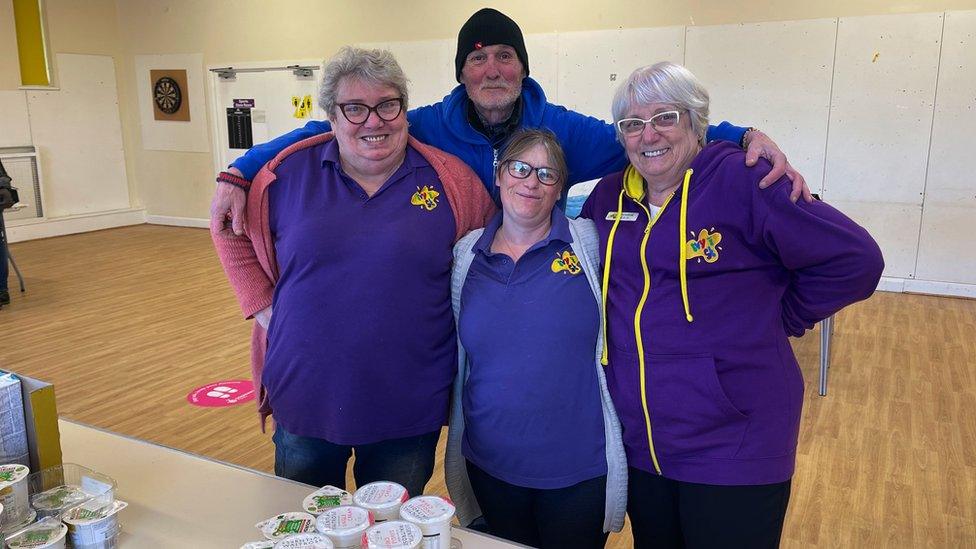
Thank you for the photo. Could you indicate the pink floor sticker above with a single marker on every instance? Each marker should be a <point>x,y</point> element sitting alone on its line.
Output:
<point>222,393</point>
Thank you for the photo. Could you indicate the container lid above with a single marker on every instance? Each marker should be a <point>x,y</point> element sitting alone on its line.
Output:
<point>427,510</point>
<point>46,532</point>
<point>59,497</point>
<point>393,534</point>
<point>12,473</point>
<point>286,524</point>
<point>326,498</point>
<point>380,495</point>
<point>343,521</point>
<point>309,540</point>
<point>263,544</point>
<point>92,511</point>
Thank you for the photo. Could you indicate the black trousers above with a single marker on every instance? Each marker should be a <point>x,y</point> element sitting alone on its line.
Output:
<point>671,514</point>
<point>562,518</point>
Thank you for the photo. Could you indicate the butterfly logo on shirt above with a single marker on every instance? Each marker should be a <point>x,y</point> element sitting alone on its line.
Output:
<point>566,262</point>
<point>425,197</point>
<point>705,246</point>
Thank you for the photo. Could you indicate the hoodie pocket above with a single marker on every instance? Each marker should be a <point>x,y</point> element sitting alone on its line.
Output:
<point>691,416</point>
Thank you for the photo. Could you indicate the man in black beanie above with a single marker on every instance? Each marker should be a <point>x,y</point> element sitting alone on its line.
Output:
<point>491,62</point>
<point>474,122</point>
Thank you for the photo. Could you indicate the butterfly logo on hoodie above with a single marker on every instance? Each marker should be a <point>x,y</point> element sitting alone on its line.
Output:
<point>705,246</point>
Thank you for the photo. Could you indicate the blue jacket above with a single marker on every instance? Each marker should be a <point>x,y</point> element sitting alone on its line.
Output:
<point>590,144</point>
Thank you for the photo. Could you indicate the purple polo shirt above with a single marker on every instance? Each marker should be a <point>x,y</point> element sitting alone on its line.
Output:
<point>361,346</point>
<point>532,413</point>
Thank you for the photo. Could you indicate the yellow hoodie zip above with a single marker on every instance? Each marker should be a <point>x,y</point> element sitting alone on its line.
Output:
<point>633,187</point>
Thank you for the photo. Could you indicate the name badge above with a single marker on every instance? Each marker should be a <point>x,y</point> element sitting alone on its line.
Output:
<point>624,216</point>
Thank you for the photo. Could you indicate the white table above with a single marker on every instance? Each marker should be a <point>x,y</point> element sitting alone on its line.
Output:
<point>178,499</point>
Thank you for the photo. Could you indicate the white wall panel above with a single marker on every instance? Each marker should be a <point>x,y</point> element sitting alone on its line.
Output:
<point>544,62</point>
<point>173,135</point>
<point>880,121</point>
<point>428,64</point>
<point>950,190</point>
<point>593,63</point>
<point>14,120</point>
<point>775,76</point>
<point>78,134</point>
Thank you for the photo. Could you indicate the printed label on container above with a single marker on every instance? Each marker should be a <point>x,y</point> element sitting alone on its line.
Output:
<point>427,509</point>
<point>286,524</point>
<point>380,494</point>
<point>305,541</point>
<point>326,498</point>
<point>395,534</point>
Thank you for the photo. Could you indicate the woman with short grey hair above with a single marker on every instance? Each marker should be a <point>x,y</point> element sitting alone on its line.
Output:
<point>348,240</point>
<point>377,67</point>
<point>710,402</point>
<point>663,83</point>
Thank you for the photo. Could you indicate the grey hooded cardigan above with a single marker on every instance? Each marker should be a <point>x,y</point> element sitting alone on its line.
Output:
<point>586,247</point>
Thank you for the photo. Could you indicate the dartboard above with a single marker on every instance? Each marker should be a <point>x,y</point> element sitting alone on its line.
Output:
<point>167,95</point>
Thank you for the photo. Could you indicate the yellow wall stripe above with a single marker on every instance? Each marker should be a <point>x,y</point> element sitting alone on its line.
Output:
<point>30,43</point>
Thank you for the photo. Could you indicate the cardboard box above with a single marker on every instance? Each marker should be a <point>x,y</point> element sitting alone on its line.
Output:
<point>41,419</point>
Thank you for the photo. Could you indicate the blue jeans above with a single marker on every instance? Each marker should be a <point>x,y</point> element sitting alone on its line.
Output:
<point>408,461</point>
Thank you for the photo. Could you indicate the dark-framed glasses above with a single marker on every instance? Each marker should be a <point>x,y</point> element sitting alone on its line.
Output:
<point>521,170</point>
<point>660,121</point>
<point>358,113</point>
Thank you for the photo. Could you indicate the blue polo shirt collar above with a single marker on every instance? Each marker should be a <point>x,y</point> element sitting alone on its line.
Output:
<point>559,230</point>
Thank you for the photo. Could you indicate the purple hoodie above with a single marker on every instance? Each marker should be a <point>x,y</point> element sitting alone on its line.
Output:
<point>705,369</point>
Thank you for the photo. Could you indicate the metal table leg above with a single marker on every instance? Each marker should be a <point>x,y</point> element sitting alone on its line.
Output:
<point>826,331</point>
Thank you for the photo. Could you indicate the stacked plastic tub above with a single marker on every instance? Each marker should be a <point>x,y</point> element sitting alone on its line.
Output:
<point>72,505</point>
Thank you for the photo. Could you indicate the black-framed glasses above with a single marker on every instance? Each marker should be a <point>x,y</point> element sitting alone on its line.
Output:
<point>521,170</point>
<point>358,113</point>
<point>660,121</point>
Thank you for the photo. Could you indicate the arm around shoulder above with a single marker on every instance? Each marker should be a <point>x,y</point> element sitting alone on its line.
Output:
<point>259,155</point>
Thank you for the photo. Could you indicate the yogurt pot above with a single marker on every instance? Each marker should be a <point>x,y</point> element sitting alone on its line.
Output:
<point>308,540</point>
<point>382,498</point>
<point>432,514</point>
<point>47,533</point>
<point>281,526</point>
<point>263,544</point>
<point>13,496</point>
<point>345,525</point>
<point>393,534</point>
<point>326,498</point>
<point>94,524</point>
<point>53,502</point>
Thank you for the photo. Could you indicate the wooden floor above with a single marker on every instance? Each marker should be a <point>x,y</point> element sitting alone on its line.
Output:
<point>126,322</point>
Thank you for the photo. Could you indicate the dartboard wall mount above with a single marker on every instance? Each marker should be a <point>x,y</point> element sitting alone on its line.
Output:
<point>169,95</point>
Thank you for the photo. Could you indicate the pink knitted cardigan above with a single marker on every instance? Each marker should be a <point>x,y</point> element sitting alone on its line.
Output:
<point>250,263</point>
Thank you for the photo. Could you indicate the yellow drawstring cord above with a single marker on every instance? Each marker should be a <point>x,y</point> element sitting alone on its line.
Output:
<point>606,273</point>
<point>682,230</point>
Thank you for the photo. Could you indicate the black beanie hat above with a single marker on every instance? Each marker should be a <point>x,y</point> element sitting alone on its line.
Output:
<point>486,28</point>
